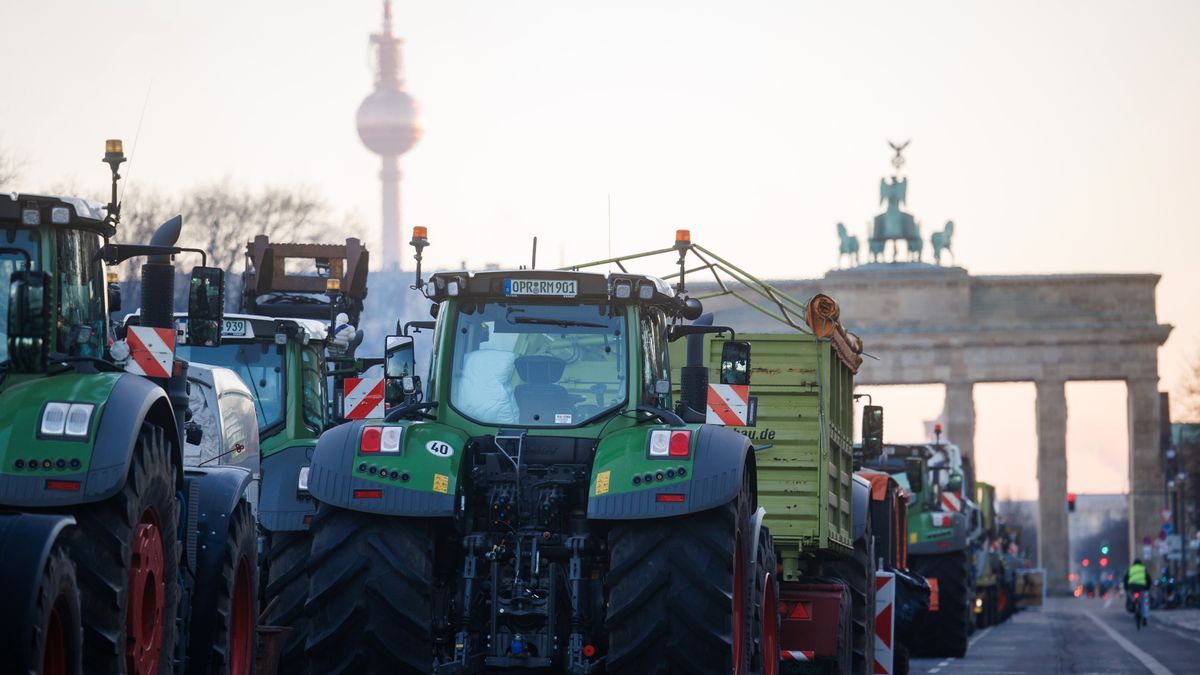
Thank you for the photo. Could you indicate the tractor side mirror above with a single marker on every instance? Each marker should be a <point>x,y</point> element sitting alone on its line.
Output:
<point>399,366</point>
<point>114,297</point>
<point>29,319</point>
<point>915,473</point>
<point>872,430</point>
<point>735,363</point>
<point>206,306</point>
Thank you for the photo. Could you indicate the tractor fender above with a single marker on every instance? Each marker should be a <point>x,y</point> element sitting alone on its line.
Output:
<point>281,506</point>
<point>214,493</point>
<point>26,540</point>
<point>131,401</point>
<point>721,458</point>
<point>860,500</point>
<point>429,492</point>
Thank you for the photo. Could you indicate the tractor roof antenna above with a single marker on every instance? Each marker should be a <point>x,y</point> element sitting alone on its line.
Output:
<point>420,239</point>
<point>683,242</point>
<point>114,156</point>
<point>533,263</point>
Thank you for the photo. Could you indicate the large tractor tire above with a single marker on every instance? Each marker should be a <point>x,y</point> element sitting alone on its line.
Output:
<point>944,632</point>
<point>232,652</point>
<point>287,588</point>
<point>370,589</point>
<point>57,626</point>
<point>679,593</point>
<point>765,659</point>
<point>858,572</point>
<point>128,552</point>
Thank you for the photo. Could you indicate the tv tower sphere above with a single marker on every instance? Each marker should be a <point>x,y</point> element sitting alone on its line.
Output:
<point>388,126</point>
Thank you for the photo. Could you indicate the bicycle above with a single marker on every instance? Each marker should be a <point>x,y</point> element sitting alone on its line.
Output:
<point>1138,602</point>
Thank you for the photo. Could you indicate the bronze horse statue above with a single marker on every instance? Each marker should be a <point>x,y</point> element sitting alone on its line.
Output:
<point>941,241</point>
<point>849,245</point>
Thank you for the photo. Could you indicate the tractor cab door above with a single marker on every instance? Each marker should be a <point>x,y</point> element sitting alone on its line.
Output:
<point>79,315</point>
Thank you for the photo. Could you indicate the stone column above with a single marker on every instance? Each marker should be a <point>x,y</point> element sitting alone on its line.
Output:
<point>1053,543</point>
<point>960,416</point>
<point>1145,465</point>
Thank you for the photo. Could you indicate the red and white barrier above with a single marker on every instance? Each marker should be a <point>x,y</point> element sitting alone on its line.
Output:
<point>728,404</point>
<point>363,398</point>
<point>885,622</point>
<point>805,656</point>
<point>151,351</point>
<point>952,501</point>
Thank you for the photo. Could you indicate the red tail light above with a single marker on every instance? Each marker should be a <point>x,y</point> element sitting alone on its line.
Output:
<point>801,611</point>
<point>681,443</point>
<point>368,494</point>
<point>370,439</point>
<point>673,498</point>
<point>64,485</point>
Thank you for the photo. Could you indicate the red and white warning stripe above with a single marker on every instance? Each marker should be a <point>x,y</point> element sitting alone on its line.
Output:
<point>801,656</point>
<point>941,519</point>
<point>363,398</point>
<point>728,404</point>
<point>952,501</point>
<point>885,622</point>
<point>151,351</point>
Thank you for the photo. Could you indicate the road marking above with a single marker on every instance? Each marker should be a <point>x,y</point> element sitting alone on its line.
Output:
<point>934,670</point>
<point>979,637</point>
<point>1176,632</point>
<point>945,663</point>
<point>1150,662</point>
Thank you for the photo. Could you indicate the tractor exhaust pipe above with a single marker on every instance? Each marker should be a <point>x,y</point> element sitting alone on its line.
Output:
<point>693,377</point>
<point>158,278</point>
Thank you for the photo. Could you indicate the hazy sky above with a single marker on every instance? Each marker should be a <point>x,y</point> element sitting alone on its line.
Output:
<point>1060,137</point>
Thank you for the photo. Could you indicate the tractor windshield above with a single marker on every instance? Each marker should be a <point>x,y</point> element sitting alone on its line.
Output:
<point>259,364</point>
<point>15,256</point>
<point>538,364</point>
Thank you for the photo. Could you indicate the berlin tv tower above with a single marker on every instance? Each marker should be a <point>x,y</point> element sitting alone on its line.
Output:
<point>388,126</point>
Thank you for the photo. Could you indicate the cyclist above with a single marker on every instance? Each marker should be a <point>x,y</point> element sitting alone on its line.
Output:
<point>1136,584</point>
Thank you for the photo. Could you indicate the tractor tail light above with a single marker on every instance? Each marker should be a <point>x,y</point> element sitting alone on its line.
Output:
<point>370,440</point>
<point>681,443</point>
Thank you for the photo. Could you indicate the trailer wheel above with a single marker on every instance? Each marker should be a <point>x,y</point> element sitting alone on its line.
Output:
<point>128,553</point>
<point>766,609</point>
<point>237,612</point>
<point>944,632</point>
<point>858,572</point>
<point>287,554</point>
<point>370,588</point>
<point>57,627</point>
<point>670,586</point>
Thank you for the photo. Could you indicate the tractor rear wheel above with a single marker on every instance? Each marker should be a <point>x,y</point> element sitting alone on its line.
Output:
<point>232,652</point>
<point>944,632</point>
<point>679,593</point>
<point>129,549</point>
<point>370,590</point>
<point>765,659</point>
<point>287,588</point>
<point>858,572</point>
<point>57,627</point>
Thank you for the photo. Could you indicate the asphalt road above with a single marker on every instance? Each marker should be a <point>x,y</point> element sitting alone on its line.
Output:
<point>1074,636</point>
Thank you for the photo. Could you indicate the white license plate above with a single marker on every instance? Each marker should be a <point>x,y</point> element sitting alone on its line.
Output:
<point>236,328</point>
<point>561,288</point>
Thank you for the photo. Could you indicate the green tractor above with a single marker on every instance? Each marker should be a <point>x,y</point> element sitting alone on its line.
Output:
<point>536,503</point>
<point>123,560</point>
<point>945,538</point>
<point>995,570</point>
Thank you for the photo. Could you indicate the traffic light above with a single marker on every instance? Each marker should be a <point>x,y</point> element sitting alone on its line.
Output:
<point>1086,562</point>
<point>1071,502</point>
<point>1104,550</point>
<point>1104,562</point>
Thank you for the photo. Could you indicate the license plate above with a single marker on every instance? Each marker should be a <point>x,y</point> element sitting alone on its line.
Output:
<point>561,288</point>
<point>236,328</point>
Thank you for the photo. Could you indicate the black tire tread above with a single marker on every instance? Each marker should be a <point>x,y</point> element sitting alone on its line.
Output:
<point>669,586</point>
<point>240,540</point>
<point>287,556</point>
<point>103,538</point>
<point>58,588</point>
<point>944,632</point>
<point>858,572</point>
<point>369,604</point>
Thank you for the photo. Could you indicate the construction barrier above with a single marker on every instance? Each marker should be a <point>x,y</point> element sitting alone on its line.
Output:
<point>885,622</point>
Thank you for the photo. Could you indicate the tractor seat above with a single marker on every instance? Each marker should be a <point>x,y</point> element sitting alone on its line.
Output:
<point>539,398</point>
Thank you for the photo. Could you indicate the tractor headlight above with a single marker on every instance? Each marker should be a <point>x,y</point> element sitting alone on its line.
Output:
<point>66,419</point>
<point>622,289</point>
<point>302,481</point>
<point>60,215</point>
